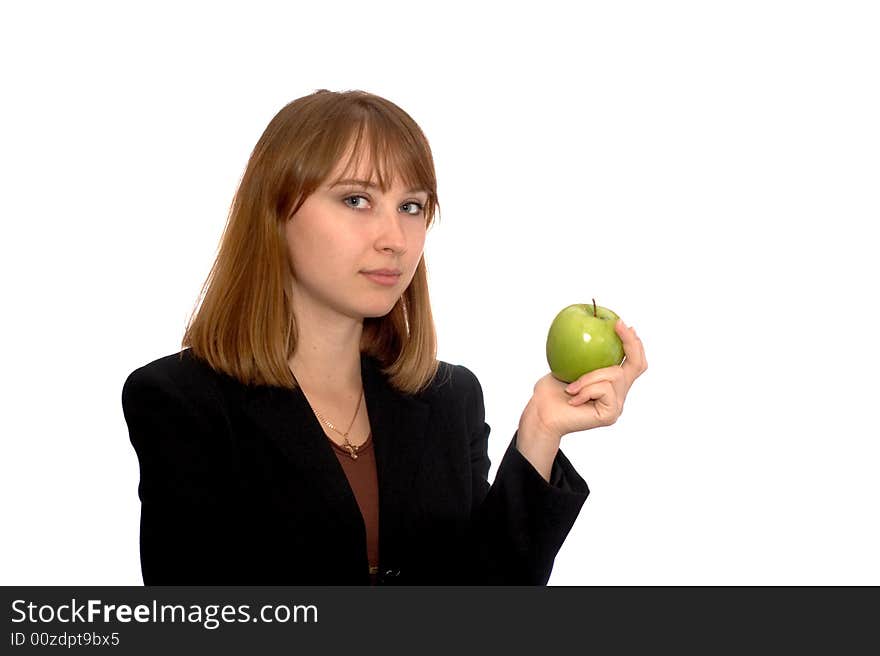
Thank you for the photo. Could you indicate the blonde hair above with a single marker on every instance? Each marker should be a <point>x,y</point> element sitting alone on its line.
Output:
<point>245,326</point>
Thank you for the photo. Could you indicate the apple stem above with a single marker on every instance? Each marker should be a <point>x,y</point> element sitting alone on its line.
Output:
<point>594,308</point>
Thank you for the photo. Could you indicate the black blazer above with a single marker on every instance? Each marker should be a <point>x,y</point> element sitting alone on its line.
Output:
<point>240,486</point>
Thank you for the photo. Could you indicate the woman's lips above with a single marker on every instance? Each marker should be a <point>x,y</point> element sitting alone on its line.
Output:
<point>380,279</point>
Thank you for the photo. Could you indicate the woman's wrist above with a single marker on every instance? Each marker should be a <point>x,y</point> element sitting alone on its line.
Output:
<point>538,445</point>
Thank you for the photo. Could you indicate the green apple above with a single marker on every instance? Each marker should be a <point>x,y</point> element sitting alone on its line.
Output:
<point>583,338</point>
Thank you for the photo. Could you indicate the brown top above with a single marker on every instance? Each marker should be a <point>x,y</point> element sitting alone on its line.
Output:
<point>361,474</point>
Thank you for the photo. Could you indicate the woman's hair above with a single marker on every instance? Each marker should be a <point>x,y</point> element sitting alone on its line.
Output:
<point>245,326</point>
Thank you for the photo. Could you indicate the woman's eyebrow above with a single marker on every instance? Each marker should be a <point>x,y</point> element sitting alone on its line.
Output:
<point>368,185</point>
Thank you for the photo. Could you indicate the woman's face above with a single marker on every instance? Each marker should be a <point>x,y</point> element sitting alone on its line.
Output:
<point>341,231</point>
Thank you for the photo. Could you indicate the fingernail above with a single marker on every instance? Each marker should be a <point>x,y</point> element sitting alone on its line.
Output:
<point>571,388</point>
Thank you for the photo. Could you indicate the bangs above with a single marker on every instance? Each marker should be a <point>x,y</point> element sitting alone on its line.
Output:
<point>389,153</point>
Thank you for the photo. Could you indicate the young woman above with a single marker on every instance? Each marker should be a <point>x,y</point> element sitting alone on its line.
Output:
<point>306,434</point>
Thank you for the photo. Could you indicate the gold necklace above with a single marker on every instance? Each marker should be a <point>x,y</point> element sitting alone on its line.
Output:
<point>352,449</point>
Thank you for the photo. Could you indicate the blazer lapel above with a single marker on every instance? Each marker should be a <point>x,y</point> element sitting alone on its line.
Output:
<point>398,423</point>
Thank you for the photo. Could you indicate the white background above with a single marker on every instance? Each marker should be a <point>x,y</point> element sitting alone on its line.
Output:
<point>708,170</point>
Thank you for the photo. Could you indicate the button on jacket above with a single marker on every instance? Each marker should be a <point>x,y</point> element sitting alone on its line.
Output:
<point>239,485</point>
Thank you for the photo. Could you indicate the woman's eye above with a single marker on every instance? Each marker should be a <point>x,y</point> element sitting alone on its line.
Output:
<point>419,205</point>
<point>345,200</point>
<point>408,203</point>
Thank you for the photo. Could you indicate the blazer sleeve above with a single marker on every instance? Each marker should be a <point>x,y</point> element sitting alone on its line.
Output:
<point>185,484</point>
<point>520,521</point>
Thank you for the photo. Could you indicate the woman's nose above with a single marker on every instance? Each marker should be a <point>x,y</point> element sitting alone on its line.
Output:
<point>392,233</point>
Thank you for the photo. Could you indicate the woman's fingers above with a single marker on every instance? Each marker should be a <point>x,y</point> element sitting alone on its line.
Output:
<point>610,374</point>
<point>600,383</point>
<point>603,398</point>
<point>635,363</point>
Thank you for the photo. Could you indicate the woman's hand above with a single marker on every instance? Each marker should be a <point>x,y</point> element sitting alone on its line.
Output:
<point>595,399</point>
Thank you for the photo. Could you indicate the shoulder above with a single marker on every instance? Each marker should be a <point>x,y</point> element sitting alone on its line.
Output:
<point>177,422</point>
<point>180,375</point>
<point>456,384</point>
